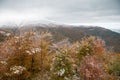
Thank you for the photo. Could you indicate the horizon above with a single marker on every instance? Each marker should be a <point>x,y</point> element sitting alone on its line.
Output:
<point>103,25</point>
<point>70,12</point>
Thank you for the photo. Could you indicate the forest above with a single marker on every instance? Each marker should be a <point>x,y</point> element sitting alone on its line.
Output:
<point>36,56</point>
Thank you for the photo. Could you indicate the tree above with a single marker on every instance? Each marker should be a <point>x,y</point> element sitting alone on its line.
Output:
<point>61,68</point>
<point>90,46</point>
<point>28,55</point>
<point>92,69</point>
<point>114,66</point>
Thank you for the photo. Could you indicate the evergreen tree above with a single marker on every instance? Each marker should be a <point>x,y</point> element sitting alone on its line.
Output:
<point>61,68</point>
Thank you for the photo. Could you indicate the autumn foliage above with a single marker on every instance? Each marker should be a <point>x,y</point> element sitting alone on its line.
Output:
<point>36,56</point>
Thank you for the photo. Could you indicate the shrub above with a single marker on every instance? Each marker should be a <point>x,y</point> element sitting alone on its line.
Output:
<point>61,68</point>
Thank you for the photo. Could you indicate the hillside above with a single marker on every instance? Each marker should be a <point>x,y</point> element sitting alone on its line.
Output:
<point>75,33</point>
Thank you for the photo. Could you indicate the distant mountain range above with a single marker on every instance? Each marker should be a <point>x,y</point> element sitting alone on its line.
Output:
<point>74,33</point>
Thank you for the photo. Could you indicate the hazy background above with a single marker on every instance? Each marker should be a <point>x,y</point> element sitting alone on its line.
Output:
<point>104,13</point>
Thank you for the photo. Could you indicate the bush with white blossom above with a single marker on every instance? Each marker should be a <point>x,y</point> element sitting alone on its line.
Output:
<point>17,69</point>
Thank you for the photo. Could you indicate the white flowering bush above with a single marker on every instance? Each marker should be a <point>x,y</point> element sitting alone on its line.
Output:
<point>33,51</point>
<point>3,62</point>
<point>17,69</point>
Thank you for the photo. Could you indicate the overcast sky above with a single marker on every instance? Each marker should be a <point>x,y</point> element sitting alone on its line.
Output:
<point>105,13</point>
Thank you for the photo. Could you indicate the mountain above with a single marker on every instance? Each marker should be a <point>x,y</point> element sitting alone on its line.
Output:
<point>75,33</point>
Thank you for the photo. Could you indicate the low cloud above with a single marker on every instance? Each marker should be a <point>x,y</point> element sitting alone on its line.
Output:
<point>61,11</point>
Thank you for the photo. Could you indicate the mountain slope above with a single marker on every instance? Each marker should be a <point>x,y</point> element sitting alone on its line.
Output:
<point>111,38</point>
<point>75,33</point>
